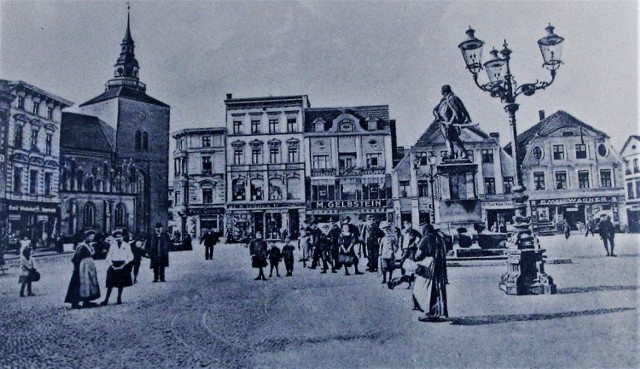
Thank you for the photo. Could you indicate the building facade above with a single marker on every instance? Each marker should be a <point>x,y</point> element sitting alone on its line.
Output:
<point>430,189</point>
<point>199,184</point>
<point>265,165</point>
<point>571,173</point>
<point>122,178</point>
<point>631,155</point>
<point>30,149</point>
<point>349,159</point>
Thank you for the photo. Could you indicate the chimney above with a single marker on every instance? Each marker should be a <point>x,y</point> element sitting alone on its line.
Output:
<point>495,135</point>
<point>229,96</point>
<point>541,114</point>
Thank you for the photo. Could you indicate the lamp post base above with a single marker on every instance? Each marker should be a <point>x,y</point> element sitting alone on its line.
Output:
<point>526,275</point>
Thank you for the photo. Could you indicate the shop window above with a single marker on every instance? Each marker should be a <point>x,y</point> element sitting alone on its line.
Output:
<point>255,126</point>
<point>121,215</point>
<point>17,180</point>
<point>538,153</point>
<point>404,188</point>
<point>273,225</point>
<point>237,127</point>
<point>373,161</point>
<point>206,141</point>
<point>507,183</point>
<point>538,181</point>
<point>583,179</point>
<point>320,162</point>
<point>17,138</point>
<point>630,193</point>
<point>238,188</point>
<point>33,182</point>
<point>561,180</point>
<point>274,156</point>
<point>89,218</point>
<point>293,156</point>
<point>273,125</point>
<point>292,125</point>
<point>256,190</point>
<point>605,178</point>
<point>207,195</point>
<point>256,156</point>
<point>47,144</point>
<point>490,185</point>
<point>423,188</point>
<point>581,151</point>
<point>558,152</point>
<point>487,155</point>
<point>237,156</point>
<point>207,166</point>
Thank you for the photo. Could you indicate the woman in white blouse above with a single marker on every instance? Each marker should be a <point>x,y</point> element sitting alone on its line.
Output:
<point>120,260</point>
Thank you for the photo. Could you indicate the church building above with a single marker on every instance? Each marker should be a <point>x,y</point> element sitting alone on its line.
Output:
<point>114,153</point>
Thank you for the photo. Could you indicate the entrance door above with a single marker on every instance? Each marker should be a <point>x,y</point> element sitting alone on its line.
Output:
<point>574,214</point>
<point>294,223</point>
<point>258,223</point>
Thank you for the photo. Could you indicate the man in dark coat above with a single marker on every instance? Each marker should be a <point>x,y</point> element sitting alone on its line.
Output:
<point>334,235</point>
<point>607,232</point>
<point>258,250</point>
<point>210,239</point>
<point>158,250</point>
<point>371,235</point>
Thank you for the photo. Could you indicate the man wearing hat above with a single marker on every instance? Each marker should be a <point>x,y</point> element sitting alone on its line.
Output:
<point>158,250</point>
<point>388,249</point>
<point>607,232</point>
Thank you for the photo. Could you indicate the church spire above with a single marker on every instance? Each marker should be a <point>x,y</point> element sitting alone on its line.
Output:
<point>125,71</point>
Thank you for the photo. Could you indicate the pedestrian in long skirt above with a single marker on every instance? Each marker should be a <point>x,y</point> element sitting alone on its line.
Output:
<point>304,245</point>
<point>83,286</point>
<point>429,288</point>
<point>27,265</point>
<point>120,260</point>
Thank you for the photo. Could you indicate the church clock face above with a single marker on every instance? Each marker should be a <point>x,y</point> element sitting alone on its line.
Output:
<point>142,115</point>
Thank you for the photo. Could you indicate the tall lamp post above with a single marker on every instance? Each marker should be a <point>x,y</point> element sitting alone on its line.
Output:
<point>431,161</point>
<point>526,262</point>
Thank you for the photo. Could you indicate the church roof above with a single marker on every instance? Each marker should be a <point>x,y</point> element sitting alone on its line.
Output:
<point>548,125</point>
<point>124,92</point>
<point>380,112</point>
<point>86,132</point>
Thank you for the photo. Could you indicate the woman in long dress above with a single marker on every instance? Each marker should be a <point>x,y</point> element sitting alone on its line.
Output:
<point>120,260</point>
<point>429,289</point>
<point>347,254</point>
<point>83,286</point>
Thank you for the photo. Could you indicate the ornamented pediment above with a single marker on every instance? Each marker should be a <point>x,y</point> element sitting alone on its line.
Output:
<point>36,161</point>
<point>36,123</point>
<point>256,144</point>
<point>50,127</point>
<point>19,157</point>
<point>274,143</point>
<point>51,164</point>
<point>238,144</point>
<point>293,142</point>
<point>21,118</point>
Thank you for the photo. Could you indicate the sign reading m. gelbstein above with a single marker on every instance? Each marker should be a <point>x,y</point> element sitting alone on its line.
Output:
<point>350,204</point>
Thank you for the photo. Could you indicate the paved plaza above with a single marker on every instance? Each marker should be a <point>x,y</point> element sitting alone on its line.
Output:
<point>212,314</point>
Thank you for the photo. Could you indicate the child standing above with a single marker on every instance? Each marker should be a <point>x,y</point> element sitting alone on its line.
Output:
<point>287,256</point>
<point>27,266</point>
<point>274,258</point>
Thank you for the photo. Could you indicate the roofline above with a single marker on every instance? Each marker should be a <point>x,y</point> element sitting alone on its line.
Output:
<point>349,107</point>
<point>265,99</point>
<point>42,92</point>
<point>197,130</point>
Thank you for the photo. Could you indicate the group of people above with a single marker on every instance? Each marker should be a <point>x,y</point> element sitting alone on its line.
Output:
<point>124,260</point>
<point>420,257</point>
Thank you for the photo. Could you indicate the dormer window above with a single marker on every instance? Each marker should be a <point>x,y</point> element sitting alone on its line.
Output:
<point>372,124</point>
<point>346,125</point>
<point>319,126</point>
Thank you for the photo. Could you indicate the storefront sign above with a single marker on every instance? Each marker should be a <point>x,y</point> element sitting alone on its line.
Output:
<point>205,211</point>
<point>264,206</point>
<point>341,204</point>
<point>575,200</point>
<point>33,209</point>
<point>498,205</point>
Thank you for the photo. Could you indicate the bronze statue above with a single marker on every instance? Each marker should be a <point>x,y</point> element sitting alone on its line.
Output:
<point>452,116</point>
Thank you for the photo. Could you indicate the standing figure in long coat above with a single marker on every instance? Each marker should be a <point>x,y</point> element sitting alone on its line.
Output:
<point>83,286</point>
<point>158,250</point>
<point>429,289</point>
<point>258,251</point>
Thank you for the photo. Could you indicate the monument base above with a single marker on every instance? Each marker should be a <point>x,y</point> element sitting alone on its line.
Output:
<point>526,275</point>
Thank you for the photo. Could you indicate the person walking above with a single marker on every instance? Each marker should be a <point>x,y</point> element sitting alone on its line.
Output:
<point>566,229</point>
<point>119,258</point>
<point>210,239</point>
<point>304,245</point>
<point>258,252</point>
<point>591,228</point>
<point>334,235</point>
<point>429,288</point>
<point>607,233</point>
<point>83,286</point>
<point>347,242</point>
<point>287,256</point>
<point>274,255</point>
<point>388,249</point>
<point>27,271</point>
<point>371,235</point>
<point>158,251</point>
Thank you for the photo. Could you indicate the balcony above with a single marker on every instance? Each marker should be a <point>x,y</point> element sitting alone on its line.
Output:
<point>125,81</point>
<point>323,172</point>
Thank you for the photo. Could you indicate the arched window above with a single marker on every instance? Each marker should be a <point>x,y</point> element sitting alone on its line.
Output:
<point>138,140</point>
<point>121,215</point>
<point>89,215</point>
<point>145,141</point>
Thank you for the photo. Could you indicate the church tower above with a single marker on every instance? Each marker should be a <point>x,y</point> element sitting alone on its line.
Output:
<point>141,124</point>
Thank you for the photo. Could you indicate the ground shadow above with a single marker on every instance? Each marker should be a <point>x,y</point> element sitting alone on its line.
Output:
<point>568,290</point>
<point>496,319</point>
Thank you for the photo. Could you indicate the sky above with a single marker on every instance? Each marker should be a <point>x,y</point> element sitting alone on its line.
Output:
<point>192,53</point>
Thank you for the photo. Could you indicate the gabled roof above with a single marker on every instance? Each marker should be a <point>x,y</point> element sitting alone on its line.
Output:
<point>380,112</point>
<point>24,85</point>
<point>547,126</point>
<point>632,137</point>
<point>86,132</point>
<point>434,128</point>
<point>127,93</point>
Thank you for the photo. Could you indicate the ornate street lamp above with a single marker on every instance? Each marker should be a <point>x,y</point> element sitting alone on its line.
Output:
<point>526,266</point>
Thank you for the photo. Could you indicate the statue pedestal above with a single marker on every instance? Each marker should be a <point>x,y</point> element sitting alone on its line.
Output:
<point>525,274</point>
